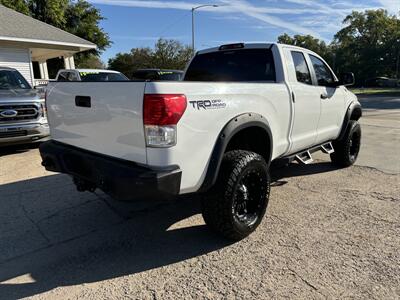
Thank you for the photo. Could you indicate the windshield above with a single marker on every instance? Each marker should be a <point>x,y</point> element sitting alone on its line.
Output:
<point>243,65</point>
<point>12,80</point>
<point>102,76</point>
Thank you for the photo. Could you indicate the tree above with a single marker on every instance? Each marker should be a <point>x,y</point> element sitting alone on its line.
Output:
<point>311,43</point>
<point>77,17</point>
<point>171,54</point>
<point>82,19</point>
<point>49,11</point>
<point>127,63</point>
<point>91,62</point>
<point>167,54</point>
<point>18,5</point>
<point>369,44</point>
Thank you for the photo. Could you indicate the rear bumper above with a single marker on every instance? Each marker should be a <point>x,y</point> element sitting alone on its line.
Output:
<point>121,179</point>
<point>23,133</point>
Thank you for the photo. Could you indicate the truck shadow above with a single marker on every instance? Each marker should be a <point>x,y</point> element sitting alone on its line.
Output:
<point>15,149</point>
<point>295,169</point>
<point>50,234</point>
<point>53,236</point>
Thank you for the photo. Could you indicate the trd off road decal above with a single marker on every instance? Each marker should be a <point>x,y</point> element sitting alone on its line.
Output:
<point>208,104</point>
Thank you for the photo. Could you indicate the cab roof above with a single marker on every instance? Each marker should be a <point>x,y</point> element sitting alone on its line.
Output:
<point>242,45</point>
<point>236,46</point>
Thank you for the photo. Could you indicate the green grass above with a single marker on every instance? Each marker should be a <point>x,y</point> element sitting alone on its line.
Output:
<point>375,91</point>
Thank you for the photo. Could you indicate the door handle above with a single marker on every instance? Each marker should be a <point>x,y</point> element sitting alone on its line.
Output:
<point>324,96</point>
<point>83,101</point>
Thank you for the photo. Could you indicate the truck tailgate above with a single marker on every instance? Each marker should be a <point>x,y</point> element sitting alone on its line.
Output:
<point>104,117</point>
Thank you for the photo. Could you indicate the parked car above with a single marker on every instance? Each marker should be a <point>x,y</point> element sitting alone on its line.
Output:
<point>89,75</point>
<point>158,75</point>
<point>22,110</point>
<point>382,82</point>
<point>239,108</point>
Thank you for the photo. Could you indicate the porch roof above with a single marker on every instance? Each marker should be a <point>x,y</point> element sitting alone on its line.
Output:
<point>46,41</point>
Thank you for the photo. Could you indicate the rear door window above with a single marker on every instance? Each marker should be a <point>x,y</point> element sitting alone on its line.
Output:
<point>300,65</point>
<point>244,65</point>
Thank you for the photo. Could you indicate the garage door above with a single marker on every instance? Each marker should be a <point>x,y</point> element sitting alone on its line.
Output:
<point>17,59</point>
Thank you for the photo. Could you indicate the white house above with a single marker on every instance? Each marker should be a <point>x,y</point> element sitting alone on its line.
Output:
<point>24,40</point>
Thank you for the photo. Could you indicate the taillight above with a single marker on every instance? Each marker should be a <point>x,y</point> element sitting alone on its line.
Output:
<point>163,109</point>
<point>161,113</point>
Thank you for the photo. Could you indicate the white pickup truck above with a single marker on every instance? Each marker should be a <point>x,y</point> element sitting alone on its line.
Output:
<point>239,108</point>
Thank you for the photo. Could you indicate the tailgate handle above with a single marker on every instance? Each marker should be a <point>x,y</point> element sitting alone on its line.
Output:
<point>83,101</point>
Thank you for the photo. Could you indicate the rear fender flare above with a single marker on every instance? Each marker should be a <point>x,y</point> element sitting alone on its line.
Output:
<point>235,125</point>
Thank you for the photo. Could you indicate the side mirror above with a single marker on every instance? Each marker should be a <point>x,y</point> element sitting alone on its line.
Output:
<point>347,79</point>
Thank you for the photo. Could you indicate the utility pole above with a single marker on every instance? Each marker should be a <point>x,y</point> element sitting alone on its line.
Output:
<point>193,30</point>
<point>397,64</point>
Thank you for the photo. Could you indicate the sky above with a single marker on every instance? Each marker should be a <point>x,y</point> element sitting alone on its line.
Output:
<point>139,23</point>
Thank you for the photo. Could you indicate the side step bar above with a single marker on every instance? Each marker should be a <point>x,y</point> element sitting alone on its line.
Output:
<point>327,148</point>
<point>305,156</point>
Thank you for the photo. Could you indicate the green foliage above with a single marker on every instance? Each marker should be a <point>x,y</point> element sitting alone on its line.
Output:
<point>171,54</point>
<point>77,17</point>
<point>368,45</point>
<point>311,43</point>
<point>89,62</point>
<point>82,19</point>
<point>167,54</point>
<point>127,63</point>
<point>49,11</point>
<point>18,5</point>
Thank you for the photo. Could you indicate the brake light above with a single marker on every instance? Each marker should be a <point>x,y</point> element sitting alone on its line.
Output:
<point>163,109</point>
<point>232,46</point>
<point>161,113</point>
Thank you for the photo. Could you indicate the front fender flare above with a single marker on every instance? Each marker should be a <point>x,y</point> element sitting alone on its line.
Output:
<point>354,107</point>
